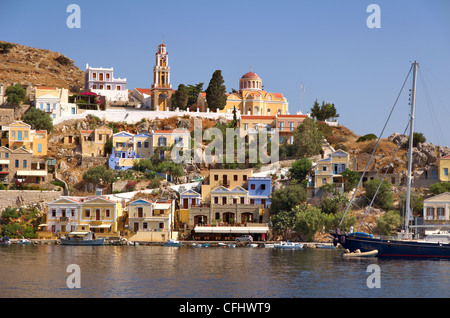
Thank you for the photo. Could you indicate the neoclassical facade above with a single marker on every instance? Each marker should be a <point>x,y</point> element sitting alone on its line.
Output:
<point>251,99</point>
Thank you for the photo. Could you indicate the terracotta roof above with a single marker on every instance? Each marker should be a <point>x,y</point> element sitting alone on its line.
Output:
<point>256,117</point>
<point>161,45</point>
<point>250,75</point>
<point>86,131</point>
<point>147,91</point>
<point>297,116</point>
<point>445,157</point>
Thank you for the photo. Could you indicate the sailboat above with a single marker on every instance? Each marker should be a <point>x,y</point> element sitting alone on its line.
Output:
<point>405,246</point>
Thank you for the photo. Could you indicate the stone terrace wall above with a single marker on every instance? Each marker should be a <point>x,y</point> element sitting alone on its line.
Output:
<point>18,198</point>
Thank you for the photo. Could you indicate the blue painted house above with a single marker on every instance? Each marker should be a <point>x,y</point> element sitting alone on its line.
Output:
<point>259,190</point>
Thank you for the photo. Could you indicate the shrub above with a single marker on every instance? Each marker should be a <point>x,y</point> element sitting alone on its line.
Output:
<point>367,137</point>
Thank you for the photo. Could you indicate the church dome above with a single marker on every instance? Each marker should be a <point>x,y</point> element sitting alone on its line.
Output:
<point>250,75</point>
<point>250,81</point>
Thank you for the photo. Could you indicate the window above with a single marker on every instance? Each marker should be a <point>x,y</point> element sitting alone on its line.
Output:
<point>94,75</point>
<point>107,213</point>
<point>145,144</point>
<point>145,225</point>
<point>25,133</point>
<point>253,186</point>
<point>73,212</point>
<point>291,126</point>
<point>161,225</point>
<point>263,187</point>
<point>6,155</point>
<point>118,87</point>
<point>101,86</point>
<point>108,87</point>
<point>139,144</point>
<point>87,213</point>
<point>53,212</point>
<point>235,178</point>
<point>441,213</point>
<point>445,171</point>
<point>242,200</point>
<point>324,168</point>
<point>252,201</point>
<point>41,106</point>
<point>107,75</point>
<point>430,213</point>
<point>24,163</point>
<point>245,126</point>
<point>244,177</point>
<point>13,134</point>
<point>216,200</point>
<point>216,177</point>
<point>94,86</point>
<point>54,106</point>
<point>17,163</point>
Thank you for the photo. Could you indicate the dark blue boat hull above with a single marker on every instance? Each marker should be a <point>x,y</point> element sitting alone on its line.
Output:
<point>393,248</point>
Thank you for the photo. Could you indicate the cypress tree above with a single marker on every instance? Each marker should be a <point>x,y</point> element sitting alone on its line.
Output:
<point>215,93</point>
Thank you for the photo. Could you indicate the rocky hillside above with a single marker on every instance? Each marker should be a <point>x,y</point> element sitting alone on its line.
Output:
<point>38,67</point>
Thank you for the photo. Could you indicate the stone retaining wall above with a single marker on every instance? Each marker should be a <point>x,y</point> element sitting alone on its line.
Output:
<point>19,198</point>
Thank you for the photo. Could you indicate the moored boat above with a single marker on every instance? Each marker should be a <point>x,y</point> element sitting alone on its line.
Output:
<point>81,238</point>
<point>358,253</point>
<point>172,243</point>
<point>24,241</point>
<point>288,245</point>
<point>405,246</point>
<point>5,241</point>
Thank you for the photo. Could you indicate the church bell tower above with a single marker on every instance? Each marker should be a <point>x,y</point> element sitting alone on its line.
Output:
<point>161,87</point>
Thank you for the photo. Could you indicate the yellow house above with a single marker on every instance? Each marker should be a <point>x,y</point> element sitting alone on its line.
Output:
<point>96,214</point>
<point>151,221</point>
<point>228,178</point>
<point>188,199</point>
<point>328,171</point>
<point>443,165</point>
<point>21,135</point>
<point>100,215</point>
<point>169,138</point>
<point>251,99</point>
<point>93,141</point>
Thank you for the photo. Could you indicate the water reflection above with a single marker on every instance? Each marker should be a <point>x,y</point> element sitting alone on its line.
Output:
<point>154,271</point>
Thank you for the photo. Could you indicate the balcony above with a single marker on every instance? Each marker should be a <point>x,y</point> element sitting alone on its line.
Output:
<point>64,219</point>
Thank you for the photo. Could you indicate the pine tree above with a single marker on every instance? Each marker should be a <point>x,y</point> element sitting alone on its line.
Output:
<point>215,93</point>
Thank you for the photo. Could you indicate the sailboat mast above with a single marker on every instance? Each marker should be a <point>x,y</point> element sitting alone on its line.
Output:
<point>408,212</point>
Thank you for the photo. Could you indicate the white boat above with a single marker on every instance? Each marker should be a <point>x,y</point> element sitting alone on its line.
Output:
<point>252,245</point>
<point>288,245</point>
<point>5,241</point>
<point>231,245</point>
<point>81,238</point>
<point>269,245</point>
<point>24,241</point>
<point>172,242</point>
<point>358,253</point>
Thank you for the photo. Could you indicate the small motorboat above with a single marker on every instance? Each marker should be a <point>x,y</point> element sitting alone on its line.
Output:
<point>5,241</point>
<point>81,238</point>
<point>200,245</point>
<point>252,245</point>
<point>172,243</point>
<point>269,245</point>
<point>231,245</point>
<point>133,243</point>
<point>24,241</point>
<point>288,245</point>
<point>358,253</point>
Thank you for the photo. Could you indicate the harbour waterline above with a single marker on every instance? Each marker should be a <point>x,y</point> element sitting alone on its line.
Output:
<point>41,271</point>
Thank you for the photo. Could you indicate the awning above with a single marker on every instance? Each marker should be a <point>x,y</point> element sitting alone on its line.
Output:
<point>32,173</point>
<point>231,229</point>
<point>161,206</point>
<point>101,226</point>
<point>4,162</point>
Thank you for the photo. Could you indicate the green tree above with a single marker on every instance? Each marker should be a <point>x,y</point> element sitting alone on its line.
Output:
<point>181,97</point>
<point>215,93</point>
<point>309,221</point>
<point>389,223</point>
<point>285,199</point>
<point>439,188</point>
<point>16,94</point>
<point>193,91</point>
<point>307,139</point>
<point>142,165</point>
<point>384,198</point>
<point>108,147</point>
<point>300,169</point>
<point>323,112</point>
<point>38,119</point>
<point>351,179</point>
<point>416,203</point>
<point>99,175</point>
<point>283,222</point>
<point>334,203</point>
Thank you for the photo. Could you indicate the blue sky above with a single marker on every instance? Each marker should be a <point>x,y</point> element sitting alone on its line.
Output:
<point>326,45</point>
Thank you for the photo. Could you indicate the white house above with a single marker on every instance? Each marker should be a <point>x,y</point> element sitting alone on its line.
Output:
<point>436,210</point>
<point>54,101</point>
<point>102,82</point>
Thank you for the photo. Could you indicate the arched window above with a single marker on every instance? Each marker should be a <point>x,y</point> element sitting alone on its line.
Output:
<point>268,111</point>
